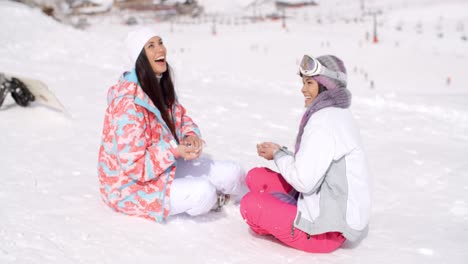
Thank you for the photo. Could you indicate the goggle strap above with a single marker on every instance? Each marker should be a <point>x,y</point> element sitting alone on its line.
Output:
<point>334,75</point>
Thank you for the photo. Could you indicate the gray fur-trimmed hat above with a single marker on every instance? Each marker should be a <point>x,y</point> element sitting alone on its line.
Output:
<point>332,63</point>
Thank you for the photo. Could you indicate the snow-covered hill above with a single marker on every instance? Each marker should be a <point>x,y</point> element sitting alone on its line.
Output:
<point>241,87</point>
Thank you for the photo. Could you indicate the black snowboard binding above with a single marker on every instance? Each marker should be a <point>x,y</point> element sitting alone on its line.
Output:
<point>222,200</point>
<point>3,88</point>
<point>19,91</point>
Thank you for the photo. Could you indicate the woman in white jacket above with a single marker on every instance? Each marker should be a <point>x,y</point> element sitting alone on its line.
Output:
<point>320,197</point>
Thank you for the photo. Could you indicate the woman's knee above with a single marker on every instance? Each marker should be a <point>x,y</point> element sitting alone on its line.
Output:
<point>230,169</point>
<point>257,177</point>
<point>252,174</point>
<point>250,205</point>
<point>204,197</point>
<point>264,213</point>
<point>227,176</point>
<point>258,171</point>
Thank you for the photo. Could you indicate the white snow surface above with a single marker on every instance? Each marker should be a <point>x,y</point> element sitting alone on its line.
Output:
<point>241,87</point>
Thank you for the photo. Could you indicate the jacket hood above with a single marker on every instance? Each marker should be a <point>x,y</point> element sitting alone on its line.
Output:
<point>127,86</point>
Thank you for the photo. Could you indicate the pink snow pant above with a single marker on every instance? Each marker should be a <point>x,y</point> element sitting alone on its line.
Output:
<point>267,215</point>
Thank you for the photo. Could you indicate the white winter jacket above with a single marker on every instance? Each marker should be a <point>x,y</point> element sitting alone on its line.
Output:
<point>330,172</point>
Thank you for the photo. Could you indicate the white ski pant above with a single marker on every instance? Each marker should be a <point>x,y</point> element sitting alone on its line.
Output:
<point>196,183</point>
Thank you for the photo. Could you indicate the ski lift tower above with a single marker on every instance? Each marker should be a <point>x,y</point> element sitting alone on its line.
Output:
<point>374,14</point>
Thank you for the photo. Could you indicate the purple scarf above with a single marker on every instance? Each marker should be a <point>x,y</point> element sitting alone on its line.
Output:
<point>338,97</point>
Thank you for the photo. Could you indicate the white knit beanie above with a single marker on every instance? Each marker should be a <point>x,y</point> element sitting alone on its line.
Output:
<point>136,41</point>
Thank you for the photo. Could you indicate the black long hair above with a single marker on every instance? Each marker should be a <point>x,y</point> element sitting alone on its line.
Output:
<point>161,93</point>
<point>321,88</point>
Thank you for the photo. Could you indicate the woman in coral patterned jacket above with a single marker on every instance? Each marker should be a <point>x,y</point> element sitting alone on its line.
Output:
<point>149,160</point>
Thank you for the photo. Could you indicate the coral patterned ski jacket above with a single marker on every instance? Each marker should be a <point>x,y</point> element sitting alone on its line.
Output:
<point>137,157</point>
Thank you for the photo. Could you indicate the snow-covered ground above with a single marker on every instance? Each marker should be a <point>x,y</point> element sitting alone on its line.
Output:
<point>241,87</point>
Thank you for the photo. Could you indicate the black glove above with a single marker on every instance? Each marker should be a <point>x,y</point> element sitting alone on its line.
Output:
<point>20,92</point>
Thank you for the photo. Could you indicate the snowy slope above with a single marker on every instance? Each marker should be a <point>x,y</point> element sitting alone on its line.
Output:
<point>241,87</point>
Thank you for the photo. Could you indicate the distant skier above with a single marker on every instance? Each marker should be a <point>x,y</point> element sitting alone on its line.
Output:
<point>19,91</point>
<point>320,197</point>
<point>150,162</point>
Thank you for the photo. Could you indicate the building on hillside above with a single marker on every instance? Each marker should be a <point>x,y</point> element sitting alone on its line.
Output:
<point>142,5</point>
<point>89,6</point>
<point>294,3</point>
<point>179,7</point>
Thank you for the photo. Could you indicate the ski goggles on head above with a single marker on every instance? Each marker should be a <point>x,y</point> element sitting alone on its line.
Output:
<point>310,67</point>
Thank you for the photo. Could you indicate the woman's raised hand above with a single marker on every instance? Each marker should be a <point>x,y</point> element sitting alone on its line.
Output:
<point>267,149</point>
<point>190,147</point>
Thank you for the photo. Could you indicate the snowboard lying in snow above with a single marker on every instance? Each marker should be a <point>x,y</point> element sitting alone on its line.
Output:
<point>26,90</point>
